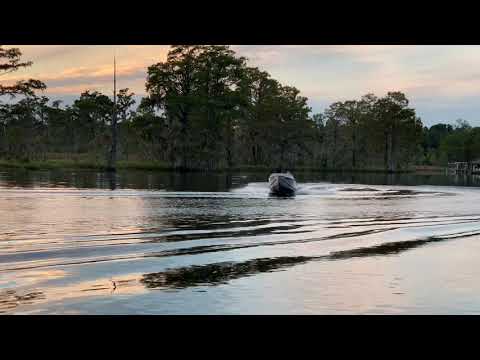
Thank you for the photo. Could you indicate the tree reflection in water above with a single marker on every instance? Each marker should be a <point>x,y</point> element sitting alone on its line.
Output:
<point>10,299</point>
<point>221,273</point>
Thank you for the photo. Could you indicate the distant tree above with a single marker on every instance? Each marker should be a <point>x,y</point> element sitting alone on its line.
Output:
<point>397,121</point>
<point>461,124</point>
<point>219,76</point>
<point>10,61</point>
<point>125,101</point>
<point>335,121</point>
<point>25,125</point>
<point>257,105</point>
<point>197,90</point>
<point>432,139</point>
<point>292,127</point>
<point>436,133</point>
<point>172,89</point>
<point>149,132</point>
<point>463,143</point>
<point>92,114</point>
<point>320,155</point>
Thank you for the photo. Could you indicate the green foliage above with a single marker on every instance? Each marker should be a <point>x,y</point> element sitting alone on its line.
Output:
<point>369,132</point>
<point>197,90</point>
<point>207,109</point>
<point>10,61</point>
<point>462,143</point>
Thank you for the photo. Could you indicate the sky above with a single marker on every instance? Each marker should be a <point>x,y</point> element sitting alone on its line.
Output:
<point>441,82</point>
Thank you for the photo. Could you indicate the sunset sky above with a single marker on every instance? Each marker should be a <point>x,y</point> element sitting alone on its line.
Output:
<point>442,82</point>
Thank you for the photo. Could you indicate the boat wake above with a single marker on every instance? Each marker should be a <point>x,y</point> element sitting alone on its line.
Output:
<point>84,244</point>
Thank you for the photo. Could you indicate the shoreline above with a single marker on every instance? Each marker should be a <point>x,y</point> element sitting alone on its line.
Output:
<point>155,166</point>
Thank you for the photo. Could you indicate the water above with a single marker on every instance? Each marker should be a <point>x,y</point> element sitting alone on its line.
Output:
<point>159,243</point>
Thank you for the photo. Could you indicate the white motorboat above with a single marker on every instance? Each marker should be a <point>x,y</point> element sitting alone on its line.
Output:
<point>282,184</point>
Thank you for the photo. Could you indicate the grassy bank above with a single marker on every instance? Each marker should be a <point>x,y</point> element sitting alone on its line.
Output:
<point>49,164</point>
<point>79,164</point>
<point>159,166</point>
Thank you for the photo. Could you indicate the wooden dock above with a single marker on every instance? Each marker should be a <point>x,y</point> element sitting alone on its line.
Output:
<point>464,167</point>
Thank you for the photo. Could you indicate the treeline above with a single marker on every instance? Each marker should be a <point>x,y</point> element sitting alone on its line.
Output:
<point>443,143</point>
<point>205,108</point>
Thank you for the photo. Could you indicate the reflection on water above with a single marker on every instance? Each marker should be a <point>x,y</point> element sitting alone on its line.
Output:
<point>122,179</point>
<point>145,242</point>
<point>214,274</point>
<point>221,273</point>
<point>9,299</point>
<point>211,181</point>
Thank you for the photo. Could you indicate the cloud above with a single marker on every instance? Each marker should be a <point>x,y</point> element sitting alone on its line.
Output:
<point>444,70</point>
<point>437,79</point>
<point>65,69</point>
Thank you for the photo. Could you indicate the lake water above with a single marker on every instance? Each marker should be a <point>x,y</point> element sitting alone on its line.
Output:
<point>84,242</point>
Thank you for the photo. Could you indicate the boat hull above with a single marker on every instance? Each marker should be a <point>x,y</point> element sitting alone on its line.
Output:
<point>282,185</point>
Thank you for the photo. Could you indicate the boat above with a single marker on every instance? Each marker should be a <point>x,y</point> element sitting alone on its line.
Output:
<point>282,184</point>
